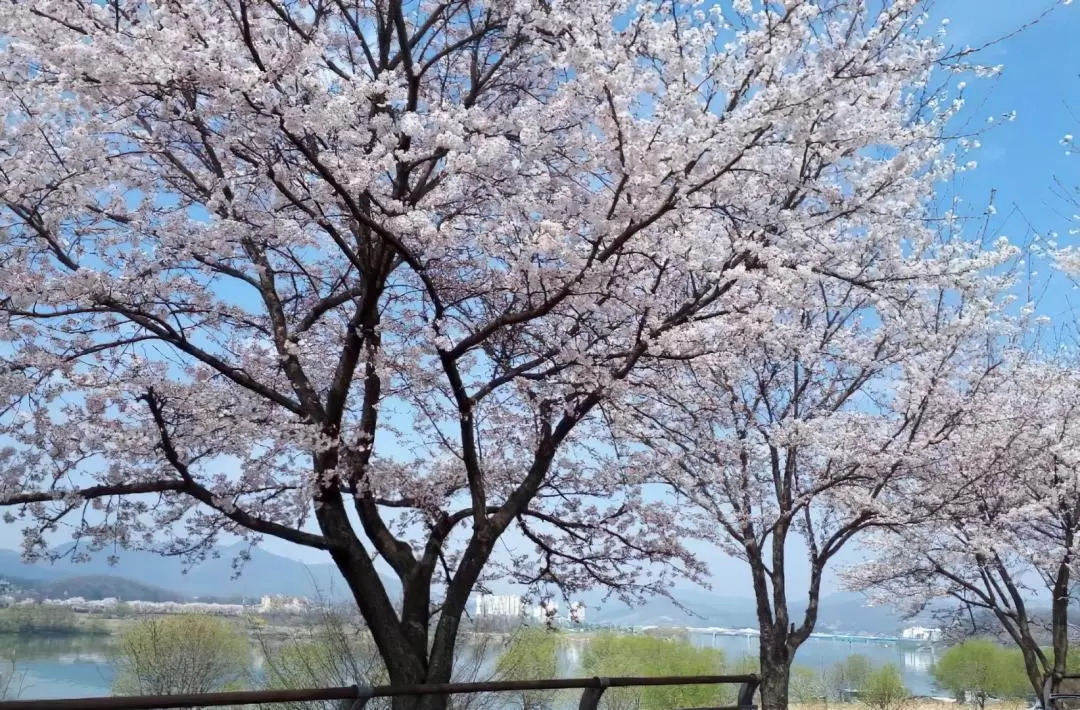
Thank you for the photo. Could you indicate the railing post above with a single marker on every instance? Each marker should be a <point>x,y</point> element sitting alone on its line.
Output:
<point>590,697</point>
<point>746,694</point>
<point>363,694</point>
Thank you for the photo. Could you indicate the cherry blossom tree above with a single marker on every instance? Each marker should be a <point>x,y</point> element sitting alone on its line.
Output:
<point>1001,516</point>
<point>811,435</point>
<point>1066,192</point>
<point>371,277</point>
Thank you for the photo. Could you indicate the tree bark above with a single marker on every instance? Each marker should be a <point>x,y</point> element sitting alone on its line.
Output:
<point>412,651</point>
<point>775,661</point>
<point>420,702</point>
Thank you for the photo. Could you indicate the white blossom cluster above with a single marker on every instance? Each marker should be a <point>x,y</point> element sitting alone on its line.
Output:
<point>536,289</point>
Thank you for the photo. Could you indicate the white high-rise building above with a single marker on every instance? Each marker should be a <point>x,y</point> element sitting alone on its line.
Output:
<point>498,605</point>
<point>280,603</point>
<point>921,633</point>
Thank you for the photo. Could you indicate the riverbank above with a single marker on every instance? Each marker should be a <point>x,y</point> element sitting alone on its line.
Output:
<point>42,620</point>
<point>82,665</point>
<point>48,621</point>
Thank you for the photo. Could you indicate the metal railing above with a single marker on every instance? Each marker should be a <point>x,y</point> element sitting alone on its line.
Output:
<point>355,697</point>
<point>1050,697</point>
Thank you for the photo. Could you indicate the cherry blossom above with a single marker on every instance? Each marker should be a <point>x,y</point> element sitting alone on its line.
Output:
<point>382,278</point>
<point>817,430</point>
<point>998,512</point>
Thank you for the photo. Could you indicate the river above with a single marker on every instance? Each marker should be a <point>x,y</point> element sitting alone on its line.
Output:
<point>80,666</point>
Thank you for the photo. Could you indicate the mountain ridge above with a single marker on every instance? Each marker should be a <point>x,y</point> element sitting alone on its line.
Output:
<point>102,586</point>
<point>263,573</point>
<point>838,612</point>
<point>269,573</point>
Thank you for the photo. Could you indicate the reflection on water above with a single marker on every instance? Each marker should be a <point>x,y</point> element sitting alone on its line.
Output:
<point>921,659</point>
<point>75,648</point>
<point>61,667</point>
<point>820,654</point>
<point>572,652</point>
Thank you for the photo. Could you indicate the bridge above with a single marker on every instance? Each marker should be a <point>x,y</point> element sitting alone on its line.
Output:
<point>845,638</point>
<point>854,638</point>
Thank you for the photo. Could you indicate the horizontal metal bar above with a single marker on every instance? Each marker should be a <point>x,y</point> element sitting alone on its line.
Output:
<point>252,697</point>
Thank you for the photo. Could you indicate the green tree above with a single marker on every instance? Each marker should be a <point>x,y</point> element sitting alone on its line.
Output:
<point>532,654</point>
<point>806,685</point>
<point>334,648</point>
<point>44,620</point>
<point>743,665</point>
<point>639,655</point>
<point>847,677</point>
<point>884,689</point>
<point>979,670</point>
<point>333,651</point>
<point>186,653</point>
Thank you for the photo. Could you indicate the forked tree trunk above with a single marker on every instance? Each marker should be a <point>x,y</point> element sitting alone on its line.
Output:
<point>412,651</point>
<point>418,702</point>
<point>421,667</point>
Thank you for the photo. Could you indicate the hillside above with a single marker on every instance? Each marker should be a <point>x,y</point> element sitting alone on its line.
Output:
<point>14,569</point>
<point>100,586</point>
<point>264,573</point>
<point>161,578</point>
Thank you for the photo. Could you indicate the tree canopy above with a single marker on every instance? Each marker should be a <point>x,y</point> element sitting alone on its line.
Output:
<point>454,286</point>
<point>185,653</point>
<point>982,670</point>
<point>609,654</point>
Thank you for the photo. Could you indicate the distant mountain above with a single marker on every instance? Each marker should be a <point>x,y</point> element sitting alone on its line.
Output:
<point>267,573</point>
<point>17,585</point>
<point>100,586</point>
<point>848,612</point>
<point>13,568</point>
<point>264,573</point>
<point>699,608</point>
<point>841,612</point>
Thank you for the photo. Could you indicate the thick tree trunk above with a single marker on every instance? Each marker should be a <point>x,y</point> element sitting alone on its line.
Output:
<point>422,702</point>
<point>775,660</point>
<point>413,663</point>
<point>412,654</point>
<point>419,702</point>
<point>774,657</point>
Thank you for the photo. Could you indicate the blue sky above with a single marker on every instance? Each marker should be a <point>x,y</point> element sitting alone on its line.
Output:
<point>1018,160</point>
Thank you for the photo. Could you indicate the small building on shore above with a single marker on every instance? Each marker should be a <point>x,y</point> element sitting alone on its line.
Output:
<point>921,633</point>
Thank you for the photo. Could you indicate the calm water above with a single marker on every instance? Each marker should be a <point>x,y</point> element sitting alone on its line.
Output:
<point>60,667</point>
<point>819,654</point>
<point>81,666</point>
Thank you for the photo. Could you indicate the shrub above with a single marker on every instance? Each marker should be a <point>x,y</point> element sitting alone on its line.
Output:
<point>640,655</point>
<point>43,620</point>
<point>884,689</point>
<point>186,653</point>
